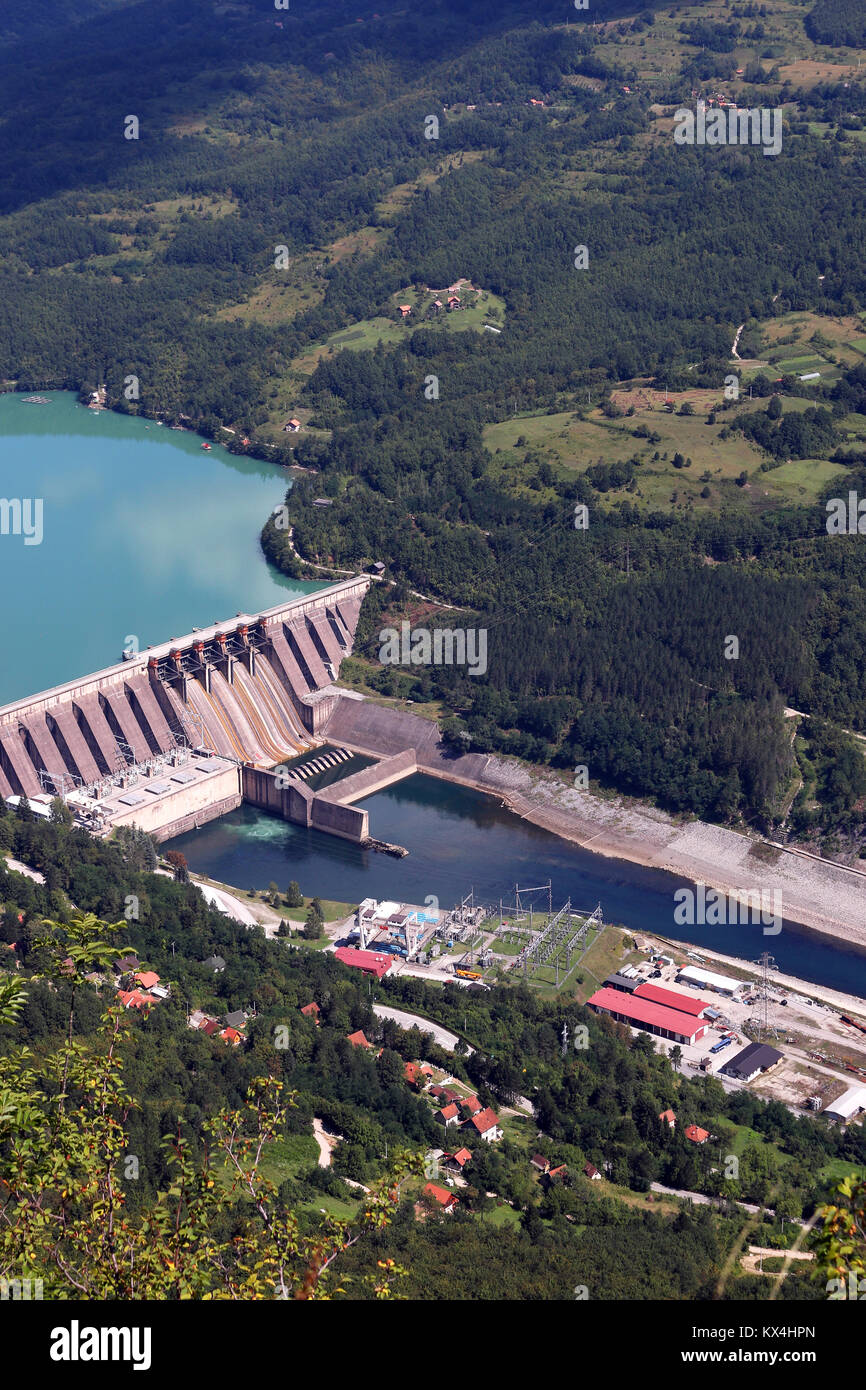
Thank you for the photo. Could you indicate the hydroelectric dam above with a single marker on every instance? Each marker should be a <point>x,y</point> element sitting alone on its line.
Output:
<point>183,732</point>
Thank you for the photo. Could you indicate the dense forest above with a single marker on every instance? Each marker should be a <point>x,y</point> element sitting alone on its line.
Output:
<point>837,22</point>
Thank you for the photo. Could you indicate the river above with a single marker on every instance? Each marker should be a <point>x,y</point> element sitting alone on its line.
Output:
<point>459,839</point>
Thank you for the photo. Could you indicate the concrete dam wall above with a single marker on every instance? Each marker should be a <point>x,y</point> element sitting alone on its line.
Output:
<point>255,689</point>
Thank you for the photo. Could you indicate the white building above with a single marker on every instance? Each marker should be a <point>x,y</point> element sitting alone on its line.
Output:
<point>701,978</point>
<point>848,1104</point>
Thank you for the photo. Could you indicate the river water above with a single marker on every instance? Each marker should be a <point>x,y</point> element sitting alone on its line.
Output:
<point>460,839</point>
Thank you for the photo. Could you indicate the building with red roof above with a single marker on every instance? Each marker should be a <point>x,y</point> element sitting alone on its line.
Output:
<point>672,999</point>
<point>486,1125</point>
<point>696,1134</point>
<point>311,1011</point>
<point>668,1118</point>
<point>375,963</point>
<point>412,1073</point>
<point>458,1161</point>
<point>647,1015</point>
<point>358,1039</point>
<point>447,1115</point>
<point>471,1104</point>
<point>133,999</point>
<point>147,979</point>
<point>441,1196</point>
<point>232,1035</point>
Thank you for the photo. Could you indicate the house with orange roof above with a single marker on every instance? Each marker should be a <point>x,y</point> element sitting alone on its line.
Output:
<point>233,1036</point>
<point>447,1115</point>
<point>441,1196</point>
<point>471,1104</point>
<point>696,1134</point>
<point>668,1118</point>
<point>456,1162</point>
<point>311,1011</point>
<point>486,1126</point>
<point>405,309</point>
<point>358,1039</point>
<point>147,979</point>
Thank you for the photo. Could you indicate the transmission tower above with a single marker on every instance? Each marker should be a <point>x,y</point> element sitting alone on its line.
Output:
<point>767,963</point>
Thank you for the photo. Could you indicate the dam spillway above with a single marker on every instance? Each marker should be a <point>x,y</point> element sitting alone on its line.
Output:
<point>160,739</point>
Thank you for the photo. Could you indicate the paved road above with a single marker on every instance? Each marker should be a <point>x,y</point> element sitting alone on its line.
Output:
<point>17,867</point>
<point>440,1035</point>
<point>702,1200</point>
<point>224,902</point>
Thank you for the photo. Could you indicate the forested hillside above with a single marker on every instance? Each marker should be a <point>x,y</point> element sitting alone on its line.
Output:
<point>244,258</point>
<point>599,1104</point>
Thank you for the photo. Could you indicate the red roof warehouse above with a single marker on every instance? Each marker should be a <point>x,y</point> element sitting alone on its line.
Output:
<point>684,1003</point>
<point>371,962</point>
<point>643,1013</point>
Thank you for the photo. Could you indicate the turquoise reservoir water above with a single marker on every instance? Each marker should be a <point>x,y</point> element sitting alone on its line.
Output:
<point>145,534</point>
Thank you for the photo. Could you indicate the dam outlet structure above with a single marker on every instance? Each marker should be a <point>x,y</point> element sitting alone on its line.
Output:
<point>183,732</point>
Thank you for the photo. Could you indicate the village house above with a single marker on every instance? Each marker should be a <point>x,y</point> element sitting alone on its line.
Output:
<point>311,1011</point>
<point>540,1164</point>
<point>447,1115</point>
<point>405,310</point>
<point>590,1171</point>
<point>696,1134</point>
<point>668,1118</point>
<point>214,963</point>
<point>455,1163</point>
<point>443,1199</point>
<point>486,1126</point>
<point>358,1039</point>
<point>233,1036</point>
<point>471,1104</point>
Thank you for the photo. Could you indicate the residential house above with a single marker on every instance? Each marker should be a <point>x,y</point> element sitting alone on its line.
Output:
<point>358,1039</point>
<point>486,1126</point>
<point>447,1115</point>
<point>405,310</point>
<point>455,1163</point>
<point>441,1196</point>
<point>147,979</point>
<point>696,1134</point>
<point>591,1172</point>
<point>540,1164</point>
<point>471,1104</point>
<point>557,1174</point>
<point>214,963</point>
<point>311,1011</point>
<point>232,1035</point>
<point>668,1118</point>
<point>237,1019</point>
<point>133,999</point>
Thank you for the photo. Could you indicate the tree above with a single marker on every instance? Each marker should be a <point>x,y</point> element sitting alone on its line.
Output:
<point>676,1056</point>
<point>774,409</point>
<point>179,864</point>
<point>65,1214</point>
<point>294,896</point>
<point>314,926</point>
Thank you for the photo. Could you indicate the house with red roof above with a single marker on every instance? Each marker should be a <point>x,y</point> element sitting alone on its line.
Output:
<point>358,1039</point>
<point>456,1162</point>
<point>590,1171</point>
<point>233,1036</point>
<point>668,1118</point>
<point>133,999</point>
<point>412,1073</point>
<point>541,1164</point>
<point>441,1196</point>
<point>147,979</point>
<point>405,309</point>
<point>447,1115</point>
<point>471,1104</point>
<point>486,1126</point>
<point>696,1134</point>
<point>311,1011</point>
